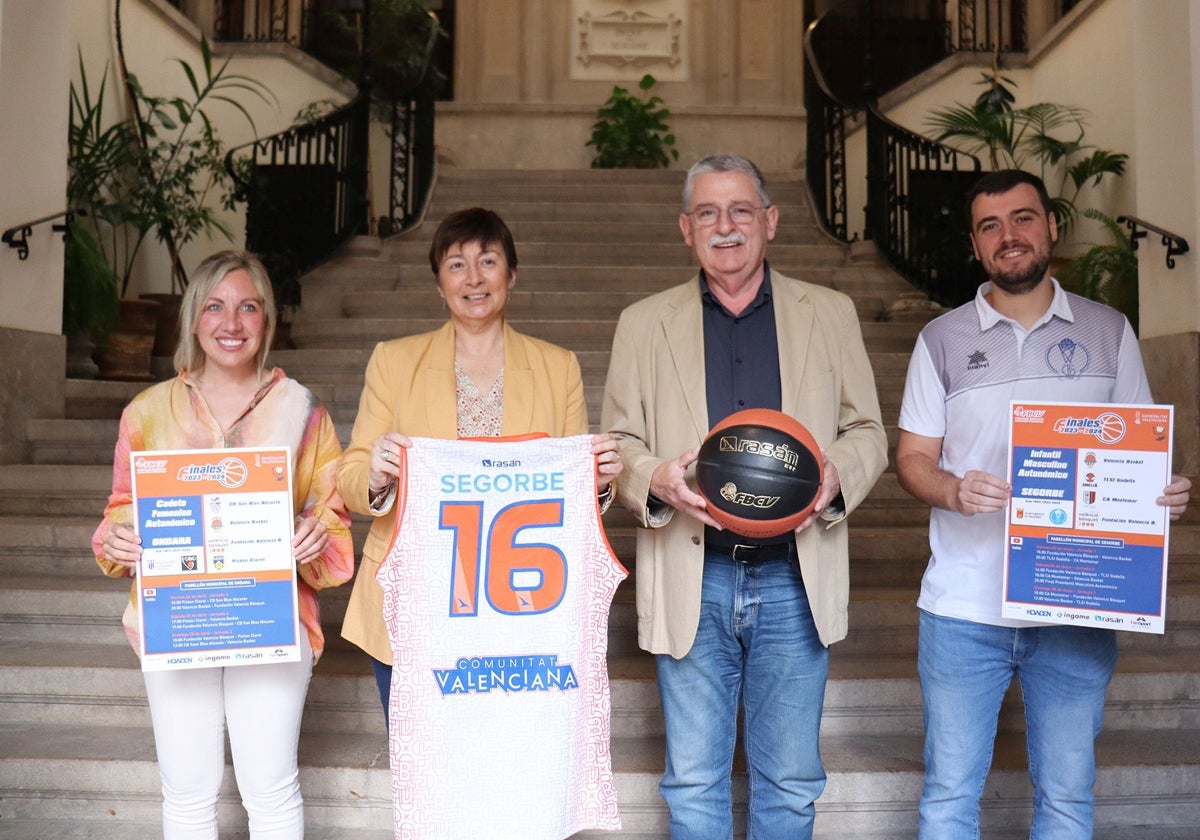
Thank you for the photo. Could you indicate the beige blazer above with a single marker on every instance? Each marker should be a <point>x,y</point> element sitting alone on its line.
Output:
<point>655,402</point>
<point>410,388</point>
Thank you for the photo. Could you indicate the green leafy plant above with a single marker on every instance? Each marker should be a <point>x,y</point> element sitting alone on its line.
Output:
<point>1044,135</point>
<point>101,171</point>
<point>89,285</point>
<point>403,33</point>
<point>156,171</point>
<point>631,131</point>
<point>180,158</point>
<point>1106,272</point>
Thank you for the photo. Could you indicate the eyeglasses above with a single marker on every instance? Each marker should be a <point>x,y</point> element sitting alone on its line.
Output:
<point>706,215</point>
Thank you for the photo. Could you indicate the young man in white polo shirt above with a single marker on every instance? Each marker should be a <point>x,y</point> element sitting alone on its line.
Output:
<point>1023,338</point>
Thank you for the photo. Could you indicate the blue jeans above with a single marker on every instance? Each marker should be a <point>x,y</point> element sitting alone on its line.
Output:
<point>756,645</point>
<point>965,669</point>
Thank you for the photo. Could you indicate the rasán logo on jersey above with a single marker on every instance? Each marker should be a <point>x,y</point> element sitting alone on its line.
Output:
<point>492,463</point>
<point>481,674</point>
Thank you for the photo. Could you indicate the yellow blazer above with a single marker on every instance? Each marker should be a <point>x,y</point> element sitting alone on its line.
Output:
<point>655,404</point>
<point>410,388</point>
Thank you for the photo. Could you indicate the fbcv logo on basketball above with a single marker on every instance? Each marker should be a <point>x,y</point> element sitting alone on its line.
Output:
<point>730,493</point>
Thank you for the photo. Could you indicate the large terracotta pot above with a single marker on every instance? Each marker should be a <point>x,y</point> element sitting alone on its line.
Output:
<point>79,356</point>
<point>127,352</point>
<point>166,334</point>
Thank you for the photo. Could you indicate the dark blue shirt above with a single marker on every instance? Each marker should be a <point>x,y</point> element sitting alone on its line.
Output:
<point>741,368</point>
<point>741,354</point>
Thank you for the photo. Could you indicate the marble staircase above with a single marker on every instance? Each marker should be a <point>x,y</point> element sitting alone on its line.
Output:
<point>76,751</point>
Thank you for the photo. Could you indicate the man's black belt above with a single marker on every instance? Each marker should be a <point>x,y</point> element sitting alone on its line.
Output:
<point>757,553</point>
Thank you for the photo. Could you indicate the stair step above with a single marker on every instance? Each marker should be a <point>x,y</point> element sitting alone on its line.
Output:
<point>91,398</point>
<point>867,694</point>
<point>574,335</point>
<point>874,782</point>
<point>658,228</point>
<point>888,537</point>
<point>645,280</point>
<point>882,618</point>
<point>38,481</point>
<point>115,828</point>
<point>347,366</point>
<point>525,304</point>
<point>615,255</point>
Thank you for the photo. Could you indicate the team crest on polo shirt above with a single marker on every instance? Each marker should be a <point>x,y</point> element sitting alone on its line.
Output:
<point>1068,358</point>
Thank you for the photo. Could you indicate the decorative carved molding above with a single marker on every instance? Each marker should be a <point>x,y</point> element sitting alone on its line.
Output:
<point>629,39</point>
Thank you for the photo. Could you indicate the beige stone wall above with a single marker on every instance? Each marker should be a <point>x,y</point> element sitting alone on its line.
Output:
<point>1172,363</point>
<point>733,53</point>
<point>1165,120</point>
<point>33,146</point>
<point>1166,125</point>
<point>521,102</point>
<point>555,137</point>
<point>31,380</point>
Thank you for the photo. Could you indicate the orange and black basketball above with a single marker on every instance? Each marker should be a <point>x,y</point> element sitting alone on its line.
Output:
<point>760,472</point>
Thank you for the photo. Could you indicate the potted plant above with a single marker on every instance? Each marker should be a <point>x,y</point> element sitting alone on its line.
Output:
<point>89,299</point>
<point>156,171</point>
<point>180,159</point>
<point>1044,135</point>
<point>99,168</point>
<point>1106,272</point>
<point>632,132</point>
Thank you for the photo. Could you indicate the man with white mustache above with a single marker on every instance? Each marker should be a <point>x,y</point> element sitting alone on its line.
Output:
<point>1021,338</point>
<point>737,623</point>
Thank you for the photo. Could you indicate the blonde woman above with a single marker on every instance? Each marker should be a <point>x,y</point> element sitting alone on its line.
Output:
<point>224,396</point>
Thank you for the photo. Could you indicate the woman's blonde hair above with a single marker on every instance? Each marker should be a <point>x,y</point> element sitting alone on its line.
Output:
<point>189,355</point>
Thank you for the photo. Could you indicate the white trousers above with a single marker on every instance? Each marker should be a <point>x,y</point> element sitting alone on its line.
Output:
<point>262,705</point>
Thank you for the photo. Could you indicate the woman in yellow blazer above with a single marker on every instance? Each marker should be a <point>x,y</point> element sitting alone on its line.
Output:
<point>474,377</point>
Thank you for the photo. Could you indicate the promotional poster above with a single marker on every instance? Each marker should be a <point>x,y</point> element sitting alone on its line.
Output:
<point>217,581</point>
<point>1087,543</point>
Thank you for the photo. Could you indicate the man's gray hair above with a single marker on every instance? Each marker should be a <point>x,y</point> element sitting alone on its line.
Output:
<point>724,163</point>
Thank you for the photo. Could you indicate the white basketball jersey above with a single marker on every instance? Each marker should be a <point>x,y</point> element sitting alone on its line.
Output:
<point>497,589</point>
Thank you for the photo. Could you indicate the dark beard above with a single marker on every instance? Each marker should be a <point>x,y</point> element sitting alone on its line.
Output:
<point>1022,282</point>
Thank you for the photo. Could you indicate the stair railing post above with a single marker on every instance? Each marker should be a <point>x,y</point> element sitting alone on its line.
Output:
<point>361,130</point>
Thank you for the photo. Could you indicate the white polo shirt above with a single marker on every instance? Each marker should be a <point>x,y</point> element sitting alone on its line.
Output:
<point>965,368</point>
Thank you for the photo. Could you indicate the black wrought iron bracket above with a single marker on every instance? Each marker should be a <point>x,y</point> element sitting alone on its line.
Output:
<point>18,236</point>
<point>1176,245</point>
